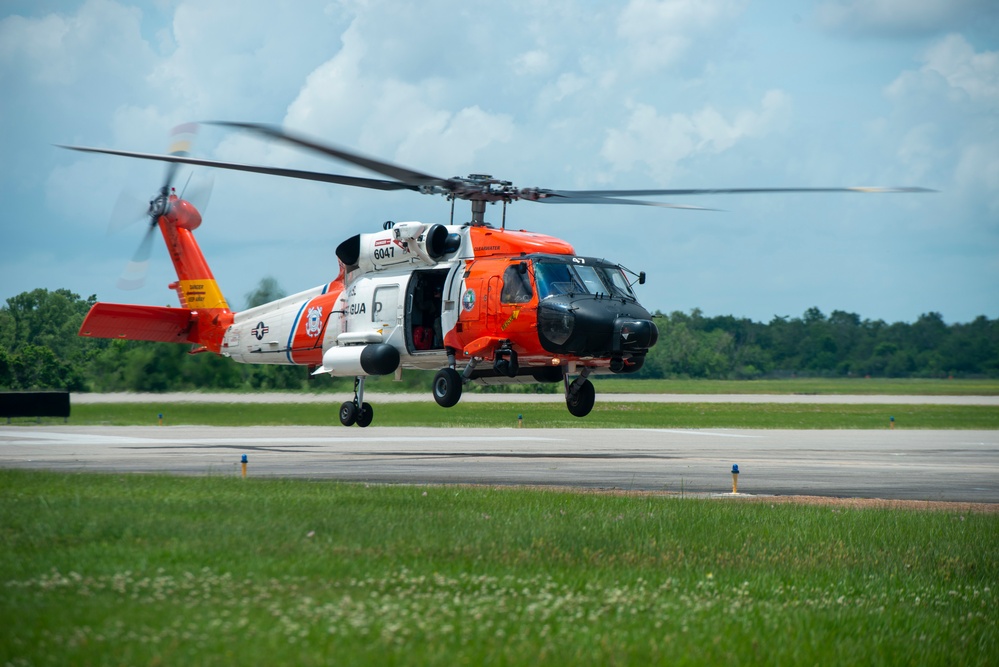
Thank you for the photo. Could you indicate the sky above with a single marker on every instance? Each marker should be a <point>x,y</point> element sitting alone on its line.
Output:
<point>559,94</point>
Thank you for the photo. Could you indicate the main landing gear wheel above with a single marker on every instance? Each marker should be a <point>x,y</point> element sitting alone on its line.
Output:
<point>581,402</point>
<point>365,415</point>
<point>348,414</point>
<point>447,387</point>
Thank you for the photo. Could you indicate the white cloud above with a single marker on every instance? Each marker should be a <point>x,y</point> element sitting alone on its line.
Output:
<point>414,122</point>
<point>661,141</point>
<point>953,98</point>
<point>226,61</point>
<point>60,49</point>
<point>952,67</point>
<point>326,103</point>
<point>658,33</point>
<point>532,63</point>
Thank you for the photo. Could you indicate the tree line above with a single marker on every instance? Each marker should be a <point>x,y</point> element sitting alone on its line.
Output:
<point>838,345</point>
<point>40,349</point>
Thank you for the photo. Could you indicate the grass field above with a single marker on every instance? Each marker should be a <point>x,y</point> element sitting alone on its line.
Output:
<point>622,385</point>
<point>111,569</point>
<point>606,414</point>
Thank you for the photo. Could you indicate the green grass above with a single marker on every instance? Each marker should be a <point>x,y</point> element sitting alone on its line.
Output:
<point>422,380</point>
<point>606,414</point>
<point>111,569</point>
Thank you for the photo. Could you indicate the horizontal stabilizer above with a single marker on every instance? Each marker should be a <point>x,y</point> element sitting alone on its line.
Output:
<point>132,322</point>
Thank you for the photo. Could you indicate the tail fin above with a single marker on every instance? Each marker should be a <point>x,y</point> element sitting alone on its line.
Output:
<point>204,314</point>
<point>196,287</point>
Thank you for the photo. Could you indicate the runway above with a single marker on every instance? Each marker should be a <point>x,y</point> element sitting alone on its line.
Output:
<point>890,464</point>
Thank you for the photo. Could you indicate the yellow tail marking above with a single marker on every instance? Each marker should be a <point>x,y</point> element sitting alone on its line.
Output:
<point>202,294</point>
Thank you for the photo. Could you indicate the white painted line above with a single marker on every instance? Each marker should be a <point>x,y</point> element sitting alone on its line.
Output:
<point>686,432</point>
<point>82,439</point>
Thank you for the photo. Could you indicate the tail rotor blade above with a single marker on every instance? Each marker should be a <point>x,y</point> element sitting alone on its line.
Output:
<point>200,191</point>
<point>134,275</point>
<point>128,209</point>
<point>181,139</point>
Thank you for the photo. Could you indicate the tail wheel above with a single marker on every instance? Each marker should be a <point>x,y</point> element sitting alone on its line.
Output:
<point>348,414</point>
<point>581,402</point>
<point>447,387</point>
<point>365,415</point>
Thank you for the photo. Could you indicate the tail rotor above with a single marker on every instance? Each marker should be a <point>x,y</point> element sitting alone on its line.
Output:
<point>129,209</point>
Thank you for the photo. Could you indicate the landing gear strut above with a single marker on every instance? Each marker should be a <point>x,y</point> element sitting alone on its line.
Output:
<point>357,411</point>
<point>579,394</point>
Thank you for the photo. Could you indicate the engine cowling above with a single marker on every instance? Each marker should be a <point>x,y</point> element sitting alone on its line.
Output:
<point>402,243</point>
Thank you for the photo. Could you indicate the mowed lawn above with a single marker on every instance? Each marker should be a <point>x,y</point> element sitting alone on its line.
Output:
<point>137,569</point>
<point>606,414</point>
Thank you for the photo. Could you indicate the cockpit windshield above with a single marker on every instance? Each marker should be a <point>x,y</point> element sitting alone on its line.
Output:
<point>579,275</point>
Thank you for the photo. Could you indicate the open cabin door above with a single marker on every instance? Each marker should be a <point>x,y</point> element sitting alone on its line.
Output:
<point>424,304</point>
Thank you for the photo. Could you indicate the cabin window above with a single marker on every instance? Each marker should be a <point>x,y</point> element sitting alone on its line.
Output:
<point>516,285</point>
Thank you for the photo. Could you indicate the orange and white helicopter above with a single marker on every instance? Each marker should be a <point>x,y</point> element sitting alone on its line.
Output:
<point>474,302</point>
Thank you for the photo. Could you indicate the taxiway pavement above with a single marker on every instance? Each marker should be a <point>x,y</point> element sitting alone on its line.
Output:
<point>890,464</point>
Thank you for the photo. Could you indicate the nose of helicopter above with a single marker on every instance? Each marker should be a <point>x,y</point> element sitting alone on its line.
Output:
<point>595,326</point>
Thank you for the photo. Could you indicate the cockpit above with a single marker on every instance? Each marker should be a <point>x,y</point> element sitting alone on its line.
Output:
<point>557,276</point>
<point>585,307</point>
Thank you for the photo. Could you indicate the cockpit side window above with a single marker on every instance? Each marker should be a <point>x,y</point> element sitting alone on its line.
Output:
<point>614,277</point>
<point>590,278</point>
<point>516,285</point>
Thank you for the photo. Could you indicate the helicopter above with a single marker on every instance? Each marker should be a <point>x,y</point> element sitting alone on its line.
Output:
<point>474,302</point>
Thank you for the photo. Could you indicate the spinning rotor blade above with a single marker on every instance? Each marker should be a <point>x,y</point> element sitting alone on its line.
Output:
<point>200,193</point>
<point>713,191</point>
<point>614,200</point>
<point>134,275</point>
<point>477,188</point>
<point>372,183</point>
<point>181,138</point>
<point>128,209</point>
<point>402,174</point>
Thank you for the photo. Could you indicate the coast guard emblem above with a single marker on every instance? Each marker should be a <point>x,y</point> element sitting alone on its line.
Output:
<point>314,321</point>
<point>468,299</point>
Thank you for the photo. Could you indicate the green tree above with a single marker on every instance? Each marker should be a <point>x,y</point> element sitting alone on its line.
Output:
<point>266,291</point>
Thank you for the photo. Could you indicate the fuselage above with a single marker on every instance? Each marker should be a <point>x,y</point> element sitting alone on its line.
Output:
<point>470,293</point>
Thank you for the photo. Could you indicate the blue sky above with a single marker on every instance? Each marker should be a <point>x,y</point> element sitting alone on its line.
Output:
<point>570,95</point>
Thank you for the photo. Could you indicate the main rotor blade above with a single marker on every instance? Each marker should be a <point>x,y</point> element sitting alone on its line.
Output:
<point>717,191</point>
<point>408,176</point>
<point>372,183</point>
<point>617,200</point>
